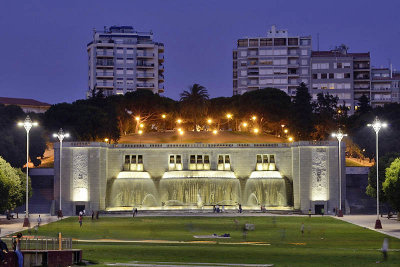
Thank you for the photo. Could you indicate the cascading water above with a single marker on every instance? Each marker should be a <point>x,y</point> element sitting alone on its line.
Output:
<point>200,191</point>
<point>132,192</point>
<point>264,189</point>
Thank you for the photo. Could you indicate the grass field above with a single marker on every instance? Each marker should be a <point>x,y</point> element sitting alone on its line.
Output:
<point>326,241</point>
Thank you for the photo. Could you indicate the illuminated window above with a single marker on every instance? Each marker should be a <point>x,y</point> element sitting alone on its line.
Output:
<point>224,163</point>
<point>199,162</point>
<point>175,162</point>
<point>265,162</point>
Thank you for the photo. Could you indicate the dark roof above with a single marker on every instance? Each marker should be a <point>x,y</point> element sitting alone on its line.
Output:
<point>337,54</point>
<point>22,101</point>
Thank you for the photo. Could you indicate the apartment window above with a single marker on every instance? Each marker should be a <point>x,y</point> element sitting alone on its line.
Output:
<point>120,50</point>
<point>279,41</point>
<point>304,42</point>
<point>266,71</point>
<point>304,71</point>
<point>331,75</point>
<point>266,62</point>
<point>304,52</point>
<point>199,162</point>
<point>129,60</point>
<point>315,76</point>
<point>242,43</point>
<point>324,75</point>
<point>120,71</point>
<point>120,81</point>
<point>129,82</point>
<point>243,53</point>
<point>175,162</point>
<point>235,64</point>
<point>120,61</point>
<point>129,71</point>
<point>293,41</point>
<point>266,42</point>
<point>243,73</point>
<point>339,75</point>
<point>129,50</point>
<point>265,162</point>
<point>304,62</point>
<point>253,42</point>
<point>234,55</point>
<point>224,163</point>
<point>346,65</point>
<point>280,61</point>
<point>280,52</point>
<point>133,163</point>
<point>320,66</point>
<point>243,82</point>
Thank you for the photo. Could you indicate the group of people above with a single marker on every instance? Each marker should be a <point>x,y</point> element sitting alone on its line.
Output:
<point>17,249</point>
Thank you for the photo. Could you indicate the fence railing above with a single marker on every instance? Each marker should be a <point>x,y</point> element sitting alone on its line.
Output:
<point>40,243</point>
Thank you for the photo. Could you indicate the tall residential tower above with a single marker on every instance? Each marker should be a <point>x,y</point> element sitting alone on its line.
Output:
<point>277,60</point>
<point>123,60</point>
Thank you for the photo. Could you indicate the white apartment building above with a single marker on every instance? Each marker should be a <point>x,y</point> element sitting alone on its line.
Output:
<point>384,86</point>
<point>276,60</point>
<point>123,60</point>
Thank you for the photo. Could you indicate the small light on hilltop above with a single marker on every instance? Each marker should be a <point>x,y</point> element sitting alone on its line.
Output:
<point>256,130</point>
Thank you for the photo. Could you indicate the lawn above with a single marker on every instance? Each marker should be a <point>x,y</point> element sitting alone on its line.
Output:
<point>326,241</point>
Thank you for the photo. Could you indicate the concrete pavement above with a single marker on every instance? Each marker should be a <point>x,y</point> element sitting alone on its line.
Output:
<point>15,225</point>
<point>389,226</point>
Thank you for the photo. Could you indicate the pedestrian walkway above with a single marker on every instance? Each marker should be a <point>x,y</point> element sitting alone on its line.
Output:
<point>8,227</point>
<point>191,264</point>
<point>389,226</point>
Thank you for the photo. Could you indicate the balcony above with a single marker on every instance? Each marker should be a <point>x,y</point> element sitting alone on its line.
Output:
<point>104,53</point>
<point>253,55</point>
<point>160,68</point>
<point>383,89</point>
<point>160,88</point>
<point>145,75</point>
<point>145,85</point>
<point>361,77</point>
<point>104,63</point>
<point>160,58</point>
<point>105,74</point>
<point>382,99</point>
<point>145,55</point>
<point>145,65</point>
<point>293,54</point>
<point>160,47</point>
<point>252,73</point>
<point>105,84</point>
<point>161,78</point>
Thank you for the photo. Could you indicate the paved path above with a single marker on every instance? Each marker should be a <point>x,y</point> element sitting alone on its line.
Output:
<point>15,225</point>
<point>389,226</point>
<point>191,264</point>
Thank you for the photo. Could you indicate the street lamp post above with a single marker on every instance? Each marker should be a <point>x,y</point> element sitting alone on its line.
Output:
<point>377,125</point>
<point>61,135</point>
<point>28,124</point>
<point>339,135</point>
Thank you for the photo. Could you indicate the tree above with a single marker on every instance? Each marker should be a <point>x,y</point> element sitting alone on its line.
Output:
<point>270,105</point>
<point>363,105</point>
<point>194,103</point>
<point>302,114</point>
<point>13,141</point>
<point>384,163</point>
<point>326,115</point>
<point>391,186</point>
<point>12,186</point>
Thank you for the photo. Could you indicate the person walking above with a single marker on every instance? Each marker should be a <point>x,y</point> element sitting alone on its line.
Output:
<point>17,250</point>
<point>92,214</point>
<point>80,218</point>
<point>39,221</point>
<point>385,248</point>
<point>322,211</point>
<point>240,208</point>
<point>302,229</point>
<point>309,213</point>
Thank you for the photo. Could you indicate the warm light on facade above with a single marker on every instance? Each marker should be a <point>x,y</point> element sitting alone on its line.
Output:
<point>179,121</point>
<point>209,121</point>
<point>286,131</point>
<point>163,116</point>
<point>229,116</point>
<point>106,139</point>
<point>290,139</point>
<point>244,124</point>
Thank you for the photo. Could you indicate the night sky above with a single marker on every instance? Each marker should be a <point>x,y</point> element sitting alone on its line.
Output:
<point>43,43</point>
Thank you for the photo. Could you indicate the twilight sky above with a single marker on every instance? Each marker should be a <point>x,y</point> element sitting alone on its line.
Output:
<point>43,43</point>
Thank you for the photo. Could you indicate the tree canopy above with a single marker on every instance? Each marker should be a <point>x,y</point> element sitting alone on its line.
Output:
<point>12,186</point>
<point>391,186</point>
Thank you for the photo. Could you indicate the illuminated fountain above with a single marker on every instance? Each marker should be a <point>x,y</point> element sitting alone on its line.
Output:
<point>132,189</point>
<point>199,188</point>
